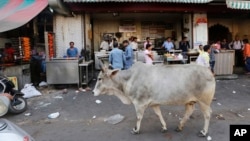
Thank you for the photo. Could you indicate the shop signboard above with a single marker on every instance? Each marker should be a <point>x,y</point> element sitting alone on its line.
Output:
<point>127,28</point>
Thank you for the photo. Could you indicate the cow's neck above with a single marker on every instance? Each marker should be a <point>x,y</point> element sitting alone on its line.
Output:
<point>120,81</point>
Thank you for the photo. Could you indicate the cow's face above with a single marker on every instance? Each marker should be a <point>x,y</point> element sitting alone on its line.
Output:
<point>105,84</point>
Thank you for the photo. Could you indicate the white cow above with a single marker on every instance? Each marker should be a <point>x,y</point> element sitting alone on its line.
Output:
<point>155,85</point>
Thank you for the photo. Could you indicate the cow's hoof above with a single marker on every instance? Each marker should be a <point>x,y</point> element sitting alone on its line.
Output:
<point>134,132</point>
<point>201,134</point>
<point>164,130</point>
<point>178,129</point>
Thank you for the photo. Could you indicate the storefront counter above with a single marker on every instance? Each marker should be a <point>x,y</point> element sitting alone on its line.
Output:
<point>63,71</point>
<point>224,62</point>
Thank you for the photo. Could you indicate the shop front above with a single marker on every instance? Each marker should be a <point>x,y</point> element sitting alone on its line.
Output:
<point>92,21</point>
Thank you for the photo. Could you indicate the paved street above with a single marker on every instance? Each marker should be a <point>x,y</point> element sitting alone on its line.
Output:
<point>76,122</point>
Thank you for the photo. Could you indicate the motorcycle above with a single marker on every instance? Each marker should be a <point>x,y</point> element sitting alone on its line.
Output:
<point>17,104</point>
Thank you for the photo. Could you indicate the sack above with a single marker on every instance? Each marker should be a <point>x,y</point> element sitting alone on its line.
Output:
<point>30,91</point>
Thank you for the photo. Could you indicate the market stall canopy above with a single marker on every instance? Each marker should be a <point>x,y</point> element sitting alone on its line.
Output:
<point>174,1</point>
<point>15,13</point>
<point>238,4</point>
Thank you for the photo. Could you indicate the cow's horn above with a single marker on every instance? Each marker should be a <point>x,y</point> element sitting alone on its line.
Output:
<point>101,64</point>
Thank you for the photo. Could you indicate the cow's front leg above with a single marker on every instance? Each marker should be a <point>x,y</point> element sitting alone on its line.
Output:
<point>157,111</point>
<point>139,113</point>
<point>188,112</point>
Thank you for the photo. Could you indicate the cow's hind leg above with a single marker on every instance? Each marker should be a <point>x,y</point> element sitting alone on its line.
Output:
<point>139,113</point>
<point>188,112</point>
<point>206,110</point>
<point>157,111</point>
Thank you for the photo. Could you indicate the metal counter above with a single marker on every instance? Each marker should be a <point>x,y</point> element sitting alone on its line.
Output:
<point>63,71</point>
<point>86,72</point>
<point>224,62</point>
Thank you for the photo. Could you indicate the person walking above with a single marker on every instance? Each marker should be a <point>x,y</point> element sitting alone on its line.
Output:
<point>246,53</point>
<point>116,57</point>
<point>203,58</point>
<point>213,51</point>
<point>128,54</point>
<point>148,54</point>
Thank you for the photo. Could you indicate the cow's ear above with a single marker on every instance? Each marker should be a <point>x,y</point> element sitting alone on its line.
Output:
<point>113,72</point>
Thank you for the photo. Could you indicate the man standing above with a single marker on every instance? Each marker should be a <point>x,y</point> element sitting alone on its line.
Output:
<point>104,45</point>
<point>72,51</point>
<point>237,45</point>
<point>128,54</point>
<point>168,44</point>
<point>116,57</point>
<point>184,46</point>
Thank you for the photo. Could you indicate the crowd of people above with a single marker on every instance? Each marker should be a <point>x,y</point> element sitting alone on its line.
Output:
<point>242,53</point>
<point>123,57</point>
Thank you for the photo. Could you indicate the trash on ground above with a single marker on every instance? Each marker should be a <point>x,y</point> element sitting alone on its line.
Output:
<point>220,117</point>
<point>248,109</point>
<point>244,85</point>
<point>43,84</point>
<point>114,119</point>
<point>94,117</point>
<point>209,138</point>
<point>65,91</point>
<point>98,101</point>
<point>219,104</point>
<point>170,113</point>
<point>44,104</point>
<point>82,90</point>
<point>214,99</point>
<point>234,92</point>
<point>240,115</point>
<point>88,89</point>
<point>76,91</point>
<point>94,79</point>
<point>30,91</point>
<point>27,114</point>
<point>58,97</point>
<point>74,97</point>
<point>54,115</point>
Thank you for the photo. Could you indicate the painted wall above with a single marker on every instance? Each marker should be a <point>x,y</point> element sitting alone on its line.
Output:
<point>200,31</point>
<point>68,29</point>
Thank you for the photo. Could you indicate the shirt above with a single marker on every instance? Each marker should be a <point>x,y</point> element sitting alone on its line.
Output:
<point>168,45</point>
<point>247,50</point>
<point>104,45</point>
<point>148,60</point>
<point>145,44</point>
<point>212,54</point>
<point>236,45</point>
<point>184,46</point>
<point>72,52</point>
<point>134,45</point>
<point>117,58</point>
<point>129,53</point>
<point>203,59</point>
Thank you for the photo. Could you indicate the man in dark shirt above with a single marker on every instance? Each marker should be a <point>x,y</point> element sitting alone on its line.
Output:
<point>184,46</point>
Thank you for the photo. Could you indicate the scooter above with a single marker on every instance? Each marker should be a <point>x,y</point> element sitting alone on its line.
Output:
<point>18,104</point>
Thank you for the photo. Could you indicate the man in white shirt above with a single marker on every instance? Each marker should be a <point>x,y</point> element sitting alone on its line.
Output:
<point>104,45</point>
<point>237,45</point>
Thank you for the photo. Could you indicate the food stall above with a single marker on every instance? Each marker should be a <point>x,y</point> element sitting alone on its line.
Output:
<point>63,70</point>
<point>18,65</point>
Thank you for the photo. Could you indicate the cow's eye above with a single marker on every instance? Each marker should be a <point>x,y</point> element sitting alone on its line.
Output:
<point>99,79</point>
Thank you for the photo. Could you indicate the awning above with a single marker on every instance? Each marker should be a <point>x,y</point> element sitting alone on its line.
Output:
<point>236,4</point>
<point>15,13</point>
<point>174,1</point>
